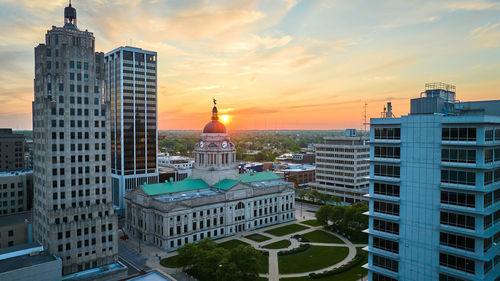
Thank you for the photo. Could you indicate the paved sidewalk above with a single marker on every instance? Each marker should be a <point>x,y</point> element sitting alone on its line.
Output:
<point>152,252</point>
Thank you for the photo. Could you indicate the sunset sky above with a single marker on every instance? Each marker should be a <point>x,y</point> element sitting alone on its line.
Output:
<point>283,64</point>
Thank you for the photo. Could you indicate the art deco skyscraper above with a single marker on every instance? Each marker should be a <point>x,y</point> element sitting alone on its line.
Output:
<point>131,86</point>
<point>73,212</point>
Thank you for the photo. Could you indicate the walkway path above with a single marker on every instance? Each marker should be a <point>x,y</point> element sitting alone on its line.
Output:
<point>153,253</point>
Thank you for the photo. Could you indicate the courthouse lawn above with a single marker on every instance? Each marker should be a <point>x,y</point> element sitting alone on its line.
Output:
<point>257,237</point>
<point>311,222</point>
<point>278,244</point>
<point>320,236</point>
<point>287,229</point>
<point>350,275</point>
<point>316,257</point>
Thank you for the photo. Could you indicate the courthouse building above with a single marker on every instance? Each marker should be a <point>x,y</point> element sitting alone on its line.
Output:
<point>215,201</point>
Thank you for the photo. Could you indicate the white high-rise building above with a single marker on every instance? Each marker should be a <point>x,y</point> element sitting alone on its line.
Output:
<point>435,191</point>
<point>131,86</point>
<point>342,167</point>
<point>73,214</point>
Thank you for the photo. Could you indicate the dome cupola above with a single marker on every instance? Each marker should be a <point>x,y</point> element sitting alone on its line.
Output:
<point>214,126</point>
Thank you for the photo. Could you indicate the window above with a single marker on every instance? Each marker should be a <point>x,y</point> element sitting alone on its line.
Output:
<point>386,189</point>
<point>380,277</point>
<point>456,262</point>
<point>386,245</point>
<point>386,208</point>
<point>386,263</point>
<point>458,199</point>
<point>458,177</point>
<point>388,133</point>
<point>387,152</point>
<point>458,134</point>
<point>458,220</point>
<point>488,135</point>
<point>458,155</point>
<point>456,241</point>
<point>386,171</point>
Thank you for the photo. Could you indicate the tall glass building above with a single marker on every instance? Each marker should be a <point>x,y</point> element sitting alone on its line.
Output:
<point>131,86</point>
<point>435,190</point>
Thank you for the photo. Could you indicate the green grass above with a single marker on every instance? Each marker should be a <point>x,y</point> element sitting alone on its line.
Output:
<point>263,264</point>
<point>257,237</point>
<point>312,222</point>
<point>172,262</point>
<point>287,229</point>
<point>351,275</point>
<point>232,244</point>
<point>261,279</point>
<point>320,236</point>
<point>278,244</point>
<point>315,258</point>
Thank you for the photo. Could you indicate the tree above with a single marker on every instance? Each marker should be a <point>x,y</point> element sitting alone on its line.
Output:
<point>313,195</point>
<point>207,261</point>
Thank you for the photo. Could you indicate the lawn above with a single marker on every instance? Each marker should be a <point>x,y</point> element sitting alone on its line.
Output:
<point>320,236</point>
<point>263,264</point>
<point>278,244</point>
<point>351,275</point>
<point>232,244</point>
<point>315,258</point>
<point>312,222</point>
<point>287,229</point>
<point>257,237</point>
<point>171,262</point>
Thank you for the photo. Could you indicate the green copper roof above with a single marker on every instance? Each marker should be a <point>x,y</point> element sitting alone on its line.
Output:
<point>189,184</point>
<point>261,176</point>
<point>172,187</point>
<point>226,184</point>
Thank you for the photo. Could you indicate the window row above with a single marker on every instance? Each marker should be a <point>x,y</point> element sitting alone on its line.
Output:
<point>459,134</point>
<point>380,277</point>
<point>458,177</point>
<point>386,245</point>
<point>456,241</point>
<point>457,263</point>
<point>387,171</point>
<point>458,199</point>
<point>386,263</point>
<point>388,133</point>
<point>388,152</point>
<point>386,226</point>
<point>458,220</point>
<point>386,208</point>
<point>458,155</point>
<point>386,189</point>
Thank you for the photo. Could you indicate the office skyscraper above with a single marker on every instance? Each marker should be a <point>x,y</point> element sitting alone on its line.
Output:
<point>131,86</point>
<point>435,191</point>
<point>342,167</point>
<point>73,212</point>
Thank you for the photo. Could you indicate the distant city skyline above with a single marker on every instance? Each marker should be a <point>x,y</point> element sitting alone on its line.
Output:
<point>284,64</point>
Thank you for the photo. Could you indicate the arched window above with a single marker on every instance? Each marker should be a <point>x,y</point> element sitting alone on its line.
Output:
<point>240,205</point>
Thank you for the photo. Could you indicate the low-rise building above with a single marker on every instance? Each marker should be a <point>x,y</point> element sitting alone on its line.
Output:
<point>16,192</point>
<point>11,151</point>
<point>15,229</point>
<point>29,262</point>
<point>216,201</point>
<point>299,174</point>
<point>304,158</point>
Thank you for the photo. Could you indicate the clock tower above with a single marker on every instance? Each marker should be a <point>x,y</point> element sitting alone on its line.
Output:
<point>215,154</point>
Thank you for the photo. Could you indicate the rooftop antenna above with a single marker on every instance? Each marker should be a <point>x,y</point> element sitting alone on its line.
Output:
<point>364,116</point>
